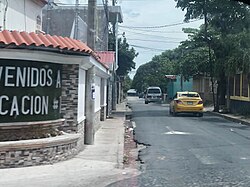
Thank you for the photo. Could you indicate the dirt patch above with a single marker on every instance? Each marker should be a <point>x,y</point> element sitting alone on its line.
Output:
<point>130,158</point>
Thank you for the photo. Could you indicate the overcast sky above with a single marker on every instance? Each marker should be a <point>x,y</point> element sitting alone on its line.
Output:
<point>150,14</point>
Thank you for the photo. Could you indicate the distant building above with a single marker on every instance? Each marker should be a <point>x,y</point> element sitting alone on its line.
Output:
<point>21,15</point>
<point>177,84</point>
<point>61,21</point>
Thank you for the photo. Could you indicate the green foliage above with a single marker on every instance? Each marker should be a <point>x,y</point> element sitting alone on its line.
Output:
<point>218,48</point>
<point>239,58</point>
<point>228,23</point>
<point>127,83</point>
<point>153,73</point>
<point>224,22</point>
<point>126,57</point>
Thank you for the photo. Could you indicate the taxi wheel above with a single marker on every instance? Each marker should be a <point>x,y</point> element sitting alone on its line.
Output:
<point>200,114</point>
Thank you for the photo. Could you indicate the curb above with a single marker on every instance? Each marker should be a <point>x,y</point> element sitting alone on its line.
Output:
<point>128,113</point>
<point>230,118</point>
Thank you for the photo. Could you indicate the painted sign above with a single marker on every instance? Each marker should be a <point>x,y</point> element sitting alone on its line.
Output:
<point>29,91</point>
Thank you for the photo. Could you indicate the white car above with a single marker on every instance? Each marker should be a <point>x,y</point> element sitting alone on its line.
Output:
<point>153,94</point>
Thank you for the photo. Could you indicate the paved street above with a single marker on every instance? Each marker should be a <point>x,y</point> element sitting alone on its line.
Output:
<point>189,151</point>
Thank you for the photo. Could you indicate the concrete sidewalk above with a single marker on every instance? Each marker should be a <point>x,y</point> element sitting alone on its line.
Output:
<point>97,165</point>
<point>229,116</point>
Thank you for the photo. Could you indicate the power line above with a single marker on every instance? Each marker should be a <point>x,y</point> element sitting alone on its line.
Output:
<point>157,26</point>
<point>67,4</point>
<point>157,31</point>
<point>153,49</point>
<point>152,40</point>
<point>140,33</point>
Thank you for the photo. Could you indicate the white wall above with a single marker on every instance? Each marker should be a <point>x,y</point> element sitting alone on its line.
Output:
<point>97,93</point>
<point>81,95</point>
<point>21,15</point>
<point>104,92</point>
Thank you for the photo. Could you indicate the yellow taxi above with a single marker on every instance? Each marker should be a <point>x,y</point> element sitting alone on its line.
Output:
<point>186,102</point>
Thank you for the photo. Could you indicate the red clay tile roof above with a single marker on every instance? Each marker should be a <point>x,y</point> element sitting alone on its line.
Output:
<point>44,1</point>
<point>106,57</point>
<point>19,39</point>
<point>28,39</point>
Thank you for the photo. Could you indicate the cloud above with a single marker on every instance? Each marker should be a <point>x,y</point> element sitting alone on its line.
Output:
<point>130,13</point>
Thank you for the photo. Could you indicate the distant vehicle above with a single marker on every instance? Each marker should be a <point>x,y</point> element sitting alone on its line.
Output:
<point>186,102</point>
<point>153,94</point>
<point>132,92</point>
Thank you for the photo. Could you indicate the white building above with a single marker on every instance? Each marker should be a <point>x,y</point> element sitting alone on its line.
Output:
<point>21,15</point>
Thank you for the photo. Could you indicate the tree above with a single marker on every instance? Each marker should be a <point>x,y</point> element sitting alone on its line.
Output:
<point>153,73</point>
<point>126,56</point>
<point>127,83</point>
<point>224,17</point>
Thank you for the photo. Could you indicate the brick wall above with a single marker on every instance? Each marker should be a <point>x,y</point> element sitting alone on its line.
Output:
<point>80,143</point>
<point>24,153</point>
<point>70,80</point>
<point>97,120</point>
<point>103,113</point>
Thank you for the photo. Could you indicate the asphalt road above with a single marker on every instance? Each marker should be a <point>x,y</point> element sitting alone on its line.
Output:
<point>190,151</point>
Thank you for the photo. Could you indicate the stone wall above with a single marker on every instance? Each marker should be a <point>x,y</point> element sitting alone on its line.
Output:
<point>70,81</point>
<point>30,130</point>
<point>80,143</point>
<point>109,98</point>
<point>97,120</point>
<point>103,113</point>
<point>37,152</point>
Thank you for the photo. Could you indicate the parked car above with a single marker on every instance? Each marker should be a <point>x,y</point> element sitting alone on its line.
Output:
<point>132,92</point>
<point>186,102</point>
<point>153,94</point>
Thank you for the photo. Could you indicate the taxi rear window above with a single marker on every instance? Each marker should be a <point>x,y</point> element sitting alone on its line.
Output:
<point>189,95</point>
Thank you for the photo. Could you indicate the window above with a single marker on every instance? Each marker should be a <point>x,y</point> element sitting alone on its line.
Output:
<point>155,91</point>
<point>189,95</point>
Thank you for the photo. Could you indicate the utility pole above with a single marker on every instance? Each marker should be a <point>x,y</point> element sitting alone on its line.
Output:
<point>89,135</point>
<point>91,23</point>
<point>89,132</point>
<point>115,82</point>
<point>76,20</point>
